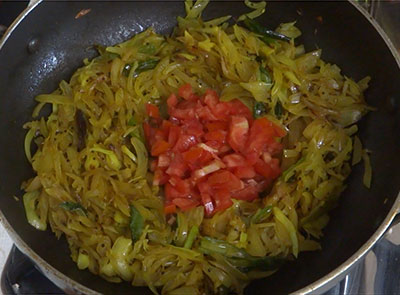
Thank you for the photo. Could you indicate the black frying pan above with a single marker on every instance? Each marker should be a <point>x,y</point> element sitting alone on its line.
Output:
<point>49,44</point>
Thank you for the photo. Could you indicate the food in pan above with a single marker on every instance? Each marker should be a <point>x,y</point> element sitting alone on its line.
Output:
<point>196,162</point>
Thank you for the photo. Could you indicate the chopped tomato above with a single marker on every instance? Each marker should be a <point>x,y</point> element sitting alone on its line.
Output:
<point>193,127</point>
<point>159,147</point>
<point>186,92</point>
<point>218,125</point>
<point>160,178</point>
<point>177,167</point>
<point>172,100</point>
<point>222,200</point>
<point>216,135</point>
<point>185,204</point>
<point>249,193</point>
<point>225,180</point>
<point>244,172</point>
<point>197,156</point>
<point>182,114</point>
<point>238,133</point>
<point>211,98</point>
<point>174,132</point>
<point>169,209</point>
<point>181,186</point>
<point>261,132</point>
<point>184,143</point>
<point>152,111</point>
<point>209,152</point>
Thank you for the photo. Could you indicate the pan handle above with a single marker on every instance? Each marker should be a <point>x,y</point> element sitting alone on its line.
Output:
<point>33,2</point>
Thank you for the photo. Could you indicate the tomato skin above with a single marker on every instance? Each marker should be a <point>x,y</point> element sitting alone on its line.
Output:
<point>224,180</point>
<point>172,101</point>
<point>193,127</point>
<point>185,204</point>
<point>238,133</point>
<point>169,209</point>
<point>186,92</point>
<point>276,169</point>
<point>263,169</point>
<point>261,132</point>
<point>216,135</point>
<point>160,178</point>
<point>182,114</point>
<point>174,132</point>
<point>184,143</point>
<point>249,193</point>
<point>159,148</point>
<point>244,172</point>
<point>239,109</point>
<point>152,111</point>
<point>217,125</point>
<point>197,157</point>
<point>222,199</point>
<point>181,186</point>
<point>177,167</point>
<point>211,98</point>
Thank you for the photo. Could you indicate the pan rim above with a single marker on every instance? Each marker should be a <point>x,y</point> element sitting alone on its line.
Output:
<point>321,285</point>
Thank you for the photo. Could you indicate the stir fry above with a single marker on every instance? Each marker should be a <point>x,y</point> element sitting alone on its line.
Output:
<point>197,162</point>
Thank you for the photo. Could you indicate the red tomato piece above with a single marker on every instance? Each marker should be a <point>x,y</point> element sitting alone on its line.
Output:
<point>238,133</point>
<point>193,155</point>
<point>159,148</point>
<point>263,169</point>
<point>222,200</point>
<point>222,111</point>
<point>216,135</point>
<point>274,147</point>
<point>177,167</point>
<point>218,125</point>
<point>160,178</point>
<point>244,172</point>
<point>234,160</point>
<point>181,186</point>
<point>224,180</point>
<point>184,143</point>
<point>185,204</point>
<point>193,127</point>
<point>204,113</point>
<point>276,169</point>
<point>149,133</point>
<point>279,132</point>
<point>186,92</point>
<point>211,98</point>
<point>152,111</point>
<point>240,109</point>
<point>169,208</point>
<point>174,133</point>
<point>182,114</point>
<point>261,133</point>
<point>172,100</point>
<point>197,157</point>
<point>249,193</point>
